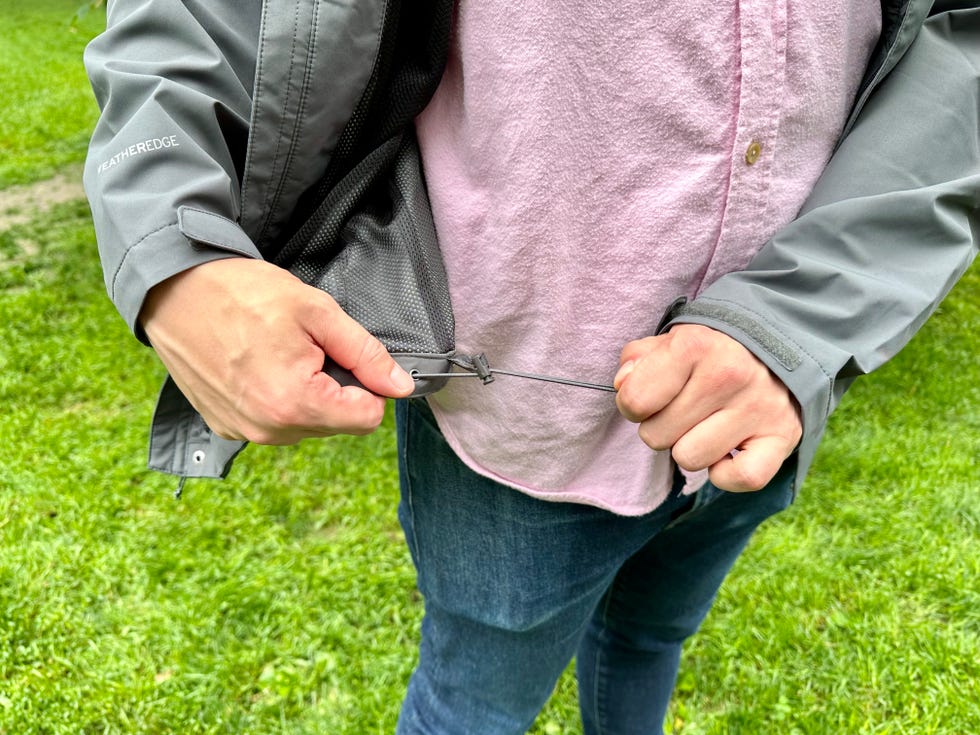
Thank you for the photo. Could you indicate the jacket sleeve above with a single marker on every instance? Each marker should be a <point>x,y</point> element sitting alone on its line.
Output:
<point>173,79</point>
<point>887,231</point>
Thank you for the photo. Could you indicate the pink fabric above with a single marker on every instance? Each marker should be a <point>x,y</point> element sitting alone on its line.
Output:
<point>586,163</point>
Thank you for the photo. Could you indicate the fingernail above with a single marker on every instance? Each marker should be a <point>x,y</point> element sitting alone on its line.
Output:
<point>625,370</point>
<point>402,380</point>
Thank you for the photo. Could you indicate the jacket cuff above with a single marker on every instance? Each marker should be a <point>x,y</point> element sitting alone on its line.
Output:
<point>805,378</point>
<point>196,238</point>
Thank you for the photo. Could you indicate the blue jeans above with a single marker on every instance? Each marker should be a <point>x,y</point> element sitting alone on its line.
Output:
<point>514,587</point>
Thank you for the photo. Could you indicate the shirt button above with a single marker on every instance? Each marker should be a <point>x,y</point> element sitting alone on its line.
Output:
<point>753,152</point>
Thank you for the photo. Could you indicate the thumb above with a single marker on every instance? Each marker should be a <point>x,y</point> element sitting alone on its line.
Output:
<point>352,347</point>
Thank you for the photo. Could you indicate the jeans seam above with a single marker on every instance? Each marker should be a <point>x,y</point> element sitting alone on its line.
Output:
<point>603,640</point>
<point>409,486</point>
<point>411,415</point>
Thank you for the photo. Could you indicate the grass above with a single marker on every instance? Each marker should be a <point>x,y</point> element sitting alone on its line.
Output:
<point>282,600</point>
<point>48,110</point>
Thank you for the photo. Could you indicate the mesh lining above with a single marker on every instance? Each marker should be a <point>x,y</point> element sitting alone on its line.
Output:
<point>369,240</point>
<point>382,264</point>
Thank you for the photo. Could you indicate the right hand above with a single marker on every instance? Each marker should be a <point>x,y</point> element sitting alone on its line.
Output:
<point>245,342</point>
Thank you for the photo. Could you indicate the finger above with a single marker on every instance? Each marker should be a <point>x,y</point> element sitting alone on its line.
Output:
<point>638,349</point>
<point>352,347</point>
<point>334,408</point>
<point>753,466</point>
<point>646,385</point>
<point>321,408</point>
<point>300,402</point>
<point>720,407</point>
<point>696,445</point>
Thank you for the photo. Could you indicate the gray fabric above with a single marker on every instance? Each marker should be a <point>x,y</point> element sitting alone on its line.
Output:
<point>365,233</point>
<point>787,355</point>
<point>382,264</point>
<point>188,72</point>
<point>314,61</point>
<point>203,228</point>
<point>192,88</point>
<point>182,444</point>
<point>254,117</point>
<point>900,23</point>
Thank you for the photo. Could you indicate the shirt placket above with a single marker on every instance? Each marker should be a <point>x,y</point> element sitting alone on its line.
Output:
<point>762,60</point>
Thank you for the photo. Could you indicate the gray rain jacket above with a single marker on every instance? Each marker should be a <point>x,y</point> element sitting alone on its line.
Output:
<point>217,116</point>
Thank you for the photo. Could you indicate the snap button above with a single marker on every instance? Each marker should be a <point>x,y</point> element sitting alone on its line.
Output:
<point>753,152</point>
<point>198,457</point>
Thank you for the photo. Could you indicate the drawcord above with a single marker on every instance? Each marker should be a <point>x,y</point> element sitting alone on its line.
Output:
<point>477,366</point>
<point>474,366</point>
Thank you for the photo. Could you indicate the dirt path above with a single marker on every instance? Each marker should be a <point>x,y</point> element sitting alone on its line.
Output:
<point>20,204</point>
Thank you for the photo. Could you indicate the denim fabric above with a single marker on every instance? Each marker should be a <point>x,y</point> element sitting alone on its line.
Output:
<point>514,587</point>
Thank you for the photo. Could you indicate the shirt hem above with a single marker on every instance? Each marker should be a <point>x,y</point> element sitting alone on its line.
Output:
<point>551,496</point>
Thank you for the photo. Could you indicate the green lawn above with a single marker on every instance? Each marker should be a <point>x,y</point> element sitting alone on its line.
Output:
<point>47,108</point>
<point>282,600</point>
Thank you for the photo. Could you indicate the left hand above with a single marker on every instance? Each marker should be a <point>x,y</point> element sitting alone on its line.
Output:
<point>701,394</point>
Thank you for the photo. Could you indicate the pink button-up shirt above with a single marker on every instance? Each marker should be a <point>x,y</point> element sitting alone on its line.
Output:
<point>588,163</point>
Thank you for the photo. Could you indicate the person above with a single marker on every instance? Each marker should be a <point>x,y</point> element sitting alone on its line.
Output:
<point>729,212</point>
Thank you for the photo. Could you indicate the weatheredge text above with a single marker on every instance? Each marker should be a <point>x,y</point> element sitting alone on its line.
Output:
<point>145,146</point>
